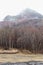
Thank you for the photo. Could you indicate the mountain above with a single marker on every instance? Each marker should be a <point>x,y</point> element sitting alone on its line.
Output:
<point>26,14</point>
<point>27,17</point>
<point>24,31</point>
<point>31,14</point>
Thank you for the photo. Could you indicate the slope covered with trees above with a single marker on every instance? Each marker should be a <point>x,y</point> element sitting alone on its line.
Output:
<point>26,32</point>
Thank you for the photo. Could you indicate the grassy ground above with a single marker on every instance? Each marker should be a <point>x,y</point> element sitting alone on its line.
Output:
<point>20,57</point>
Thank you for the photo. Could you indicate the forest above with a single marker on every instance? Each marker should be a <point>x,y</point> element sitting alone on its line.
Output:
<point>27,37</point>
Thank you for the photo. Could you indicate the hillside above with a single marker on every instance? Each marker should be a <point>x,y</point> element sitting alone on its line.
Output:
<point>26,17</point>
<point>24,31</point>
<point>25,14</point>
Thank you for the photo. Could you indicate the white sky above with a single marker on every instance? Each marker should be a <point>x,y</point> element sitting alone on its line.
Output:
<point>14,7</point>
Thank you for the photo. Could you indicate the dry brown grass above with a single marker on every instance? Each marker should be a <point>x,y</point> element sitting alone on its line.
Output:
<point>11,51</point>
<point>20,56</point>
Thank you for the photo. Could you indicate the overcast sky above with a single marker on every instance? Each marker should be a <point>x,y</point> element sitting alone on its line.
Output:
<point>14,7</point>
